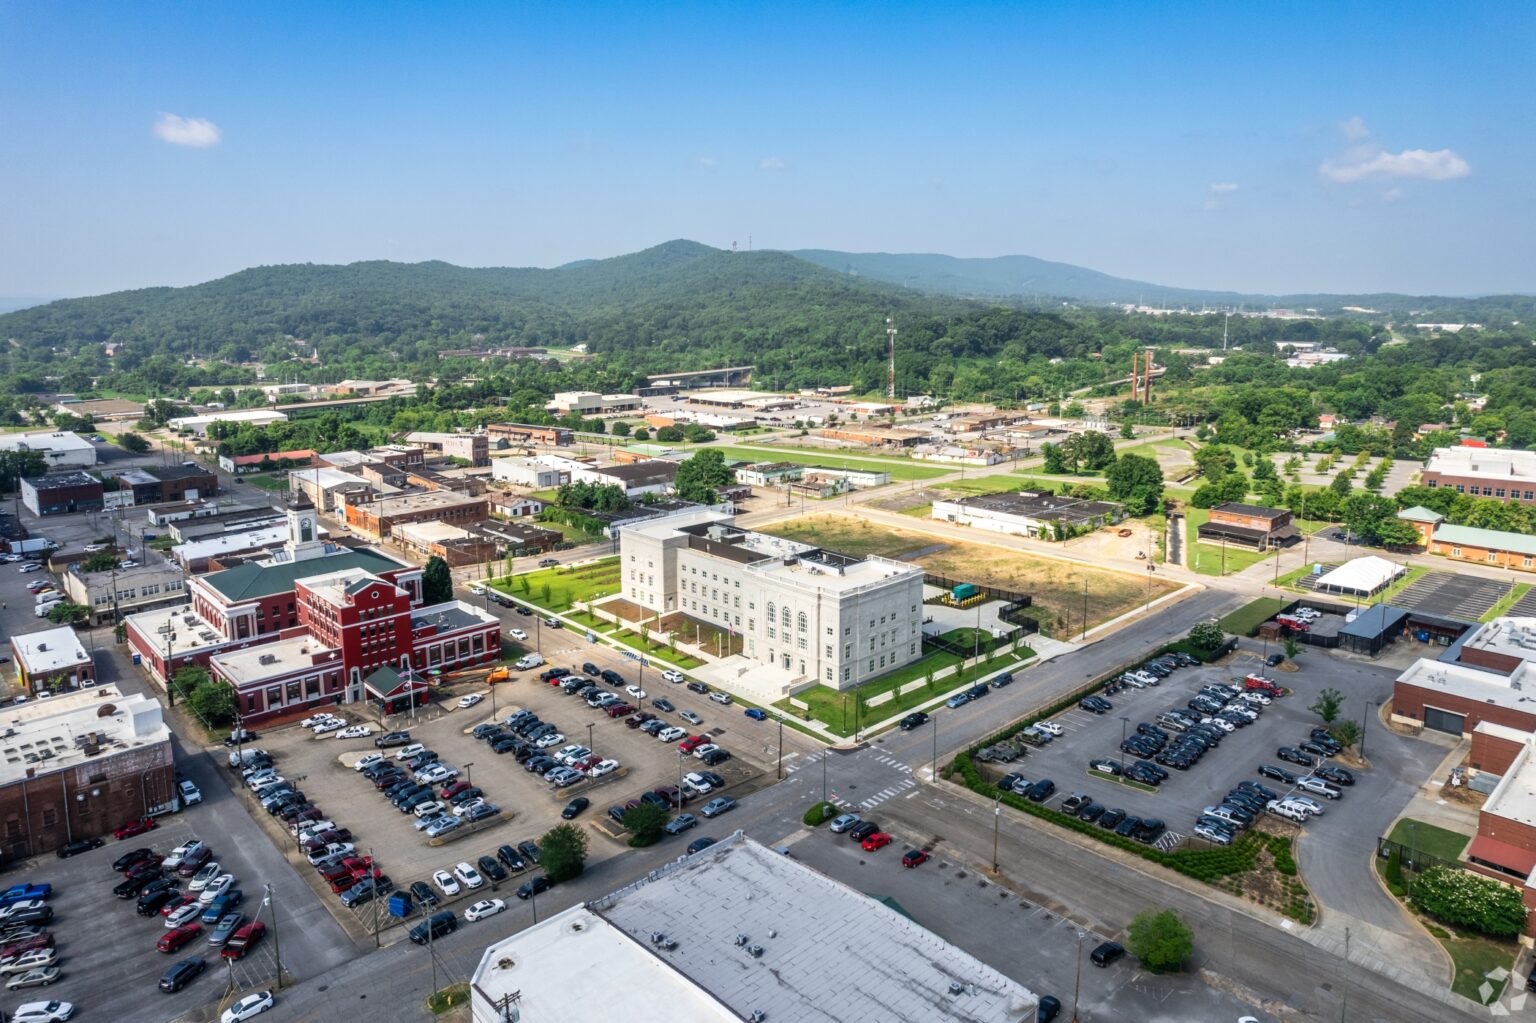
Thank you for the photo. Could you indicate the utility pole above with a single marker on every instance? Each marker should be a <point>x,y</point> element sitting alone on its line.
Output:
<point>1077,984</point>
<point>277,952</point>
<point>935,721</point>
<point>1085,611</point>
<point>1365,721</point>
<point>997,820</point>
<point>781,747</point>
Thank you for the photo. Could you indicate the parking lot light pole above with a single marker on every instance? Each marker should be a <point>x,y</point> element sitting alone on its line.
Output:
<point>781,747</point>
<point>277,951</point>
<point>589,735</point>
<point>1365,721</point>
<point>1124,724</point>
<point>935,768</point>
<point>997,820</point>
<point>470,778</point>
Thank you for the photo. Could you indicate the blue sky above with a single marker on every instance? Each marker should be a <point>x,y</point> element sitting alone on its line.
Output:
<point>1279,147</point>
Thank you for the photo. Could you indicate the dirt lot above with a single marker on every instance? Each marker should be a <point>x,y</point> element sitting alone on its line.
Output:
<point>1057,586</point>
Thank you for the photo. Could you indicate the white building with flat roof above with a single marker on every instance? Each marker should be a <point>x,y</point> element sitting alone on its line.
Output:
<point>737,932</point>
<point>199,424</point>
<point>810,613</point>
<point>60,450</point>
<point>590,403</point>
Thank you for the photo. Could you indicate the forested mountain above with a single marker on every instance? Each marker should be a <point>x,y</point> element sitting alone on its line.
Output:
<point>1025,278</point>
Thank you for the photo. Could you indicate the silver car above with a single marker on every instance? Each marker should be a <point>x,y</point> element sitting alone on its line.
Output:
<point>845,822</point>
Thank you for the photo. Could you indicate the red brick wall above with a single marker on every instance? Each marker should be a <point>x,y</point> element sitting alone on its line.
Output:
<point>1492,753</point>
<point>1492,660</point>
<point>1521,836</point>
<point>1523,491</point>
<point>40,814</point>
<point>1409,700</point>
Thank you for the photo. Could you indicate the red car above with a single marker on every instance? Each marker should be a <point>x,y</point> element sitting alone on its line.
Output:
<point>914,857</point>
<point>342,882</point>
<point>618,710</point>
<point>454,788</point>
<point>692,743</point>
<point>17,948</point>
<point>178,936</point>
<point>243,940</point>
<point>176,903</point>
<point>137,827</point>
<point>879,840</point>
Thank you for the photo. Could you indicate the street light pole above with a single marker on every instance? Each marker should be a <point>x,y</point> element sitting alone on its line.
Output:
<point>589,735</point>
<point>781,747</point>
<point>935,721</point>
<point>1124,723</point>
<point>1365,721</point>
<point>468,776</point>
<point>1077,984</point>
<point>1085,611</point>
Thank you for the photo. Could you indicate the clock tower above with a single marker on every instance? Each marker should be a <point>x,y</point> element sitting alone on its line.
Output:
<point>303,531</point>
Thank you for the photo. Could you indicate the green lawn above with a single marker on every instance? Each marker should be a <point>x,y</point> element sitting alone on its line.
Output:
<point>273,483</point>
<point>903,469</point>
<point>1474,956</point>
<point>575,534</point>
<point>1250,616</point>
<point>1506,602</point>
<point>587,621</point>
<point>827,704</point>
<point>1439,842</point>
<point>995,484</point>
<point>556,589</point>
<point>656,650</point>
<point>1212,559</point>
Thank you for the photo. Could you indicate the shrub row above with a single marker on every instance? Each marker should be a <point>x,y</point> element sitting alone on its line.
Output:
<point>1280,849</point>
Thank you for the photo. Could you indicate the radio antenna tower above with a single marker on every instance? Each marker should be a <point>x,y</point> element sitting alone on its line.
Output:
<point>1224,323</point>
<point>890,333</point>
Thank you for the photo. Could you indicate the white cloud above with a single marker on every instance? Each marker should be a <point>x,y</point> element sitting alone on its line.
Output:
<point>1392,195</point>
<point>707,162</point>
<point>1364,162</point>
<point>187,131</point>
<point>1213,193</point>
<point>771,163</point>
<point>1354,129</point>
<point>1223,187</point>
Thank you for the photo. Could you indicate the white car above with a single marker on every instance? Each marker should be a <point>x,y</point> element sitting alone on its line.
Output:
<point>636,692</point>
<point>469,700</point>
<point>34,960</point>
<point>705,750</point>
<point>461,809</point>
<point>1312,806</point>
<point>202,877</point>
<point>1048,727</point>
<point>316,719</point>
<point>248,1007</point>
<point>432,774</point>
<point>92,548</point>
<point>328,726</point>
<point>407,752</point>
<point>517,634</point>
<point>426,823</point>
<point>483,909</point>
<point>604,767</point>
<point>469,875</point>
<point>183,915</point>
<point>672,734</point>
<point>218,886</point>
<point>552,739</point>
<point>428,809</point>
<point>368,761</point>
<point>1225,726</point>
<point>672,676</point>
<point>48,1012</point>
<point>446,883</point>
<point>570,754</point>
<point>303,829</point>
<point>1258,698</point>
<point>697,784</point>
<point>355,732</point>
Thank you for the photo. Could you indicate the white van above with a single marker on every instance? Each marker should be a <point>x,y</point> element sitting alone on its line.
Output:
<point>478,589</point>
<point>43,609</point>
<point>528,661</point>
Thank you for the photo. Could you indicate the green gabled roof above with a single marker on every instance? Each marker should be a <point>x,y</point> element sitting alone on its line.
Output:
<point>247,582</point>
<point>1492,539</point>
<point>1419,513</point>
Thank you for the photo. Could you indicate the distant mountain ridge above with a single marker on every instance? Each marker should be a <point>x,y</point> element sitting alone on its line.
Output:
<point>1027,278</point>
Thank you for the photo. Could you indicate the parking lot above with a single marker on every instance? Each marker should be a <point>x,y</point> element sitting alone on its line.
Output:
<point>530,806</point>
<point>1179,800</point>
<point>108,962</point>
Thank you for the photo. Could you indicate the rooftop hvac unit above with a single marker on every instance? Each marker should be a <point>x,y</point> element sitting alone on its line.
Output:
<point>267,659</point>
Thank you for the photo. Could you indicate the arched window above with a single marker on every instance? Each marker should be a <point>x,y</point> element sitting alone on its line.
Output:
<point>784,618</point>
<point>801,622</point>
<point>770,613</point>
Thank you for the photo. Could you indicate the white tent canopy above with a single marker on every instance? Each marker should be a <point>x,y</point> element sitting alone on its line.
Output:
<point>1360,577</point>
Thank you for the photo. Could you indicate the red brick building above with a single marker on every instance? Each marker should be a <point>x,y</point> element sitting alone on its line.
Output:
<point>1249,525</point>
<point>1483,472</point>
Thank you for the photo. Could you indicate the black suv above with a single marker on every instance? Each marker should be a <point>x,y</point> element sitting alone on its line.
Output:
<point>913,720</point>
<point>434,927</point>
<point>1106,953</point>
<point>612,677</point>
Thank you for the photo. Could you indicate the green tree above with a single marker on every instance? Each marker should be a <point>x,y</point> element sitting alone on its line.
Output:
<point>620,429</point>
<point>18,465</point>
<point>1292,648</point>
<point>644,823</point>
<point>1206,637</point>
<point>1127,431</point>
<point>101,561</point>
<point>133,442</point>
<point>214,702</point>
<point>1161,940</point>
<point>69,614</point>
<point>1055,462</point>
<point>436,581</point>
<point>1340,484</point>
<point>1347,731</point>
<point>1137,482</point>
<point>563,852</point>
<point>700,477</point>
<point>1328,704</point>
<point>641,433</point>
<point>669,435</point>
<point>1090,449</point>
